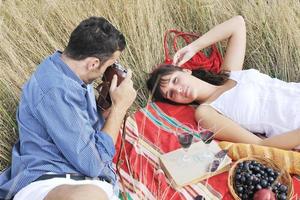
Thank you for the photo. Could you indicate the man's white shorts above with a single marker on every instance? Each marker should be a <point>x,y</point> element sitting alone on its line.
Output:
<point>39,189</point>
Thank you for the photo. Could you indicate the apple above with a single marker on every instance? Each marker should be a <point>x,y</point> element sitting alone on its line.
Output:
<point>264,194</point>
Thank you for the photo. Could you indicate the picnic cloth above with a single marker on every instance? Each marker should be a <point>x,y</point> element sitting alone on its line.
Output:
<point>149,133</point>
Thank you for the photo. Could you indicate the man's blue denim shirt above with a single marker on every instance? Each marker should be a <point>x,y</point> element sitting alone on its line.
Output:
<point>59,129</point>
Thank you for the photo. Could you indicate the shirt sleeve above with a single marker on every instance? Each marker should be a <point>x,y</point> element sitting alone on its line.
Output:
<point>64,116</point>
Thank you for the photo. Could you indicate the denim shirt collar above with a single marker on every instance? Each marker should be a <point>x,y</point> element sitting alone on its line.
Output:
<point>56,57</point>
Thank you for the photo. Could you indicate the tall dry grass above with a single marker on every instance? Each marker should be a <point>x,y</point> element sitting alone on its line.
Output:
<point>31,30</point>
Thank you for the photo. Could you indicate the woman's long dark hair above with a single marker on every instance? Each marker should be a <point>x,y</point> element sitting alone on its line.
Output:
<point>155,79</point>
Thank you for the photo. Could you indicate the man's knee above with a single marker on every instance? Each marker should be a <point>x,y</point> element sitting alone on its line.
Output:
<point>77,192</point>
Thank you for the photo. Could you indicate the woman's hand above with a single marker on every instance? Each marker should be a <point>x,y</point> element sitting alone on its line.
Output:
<point>234,30</point>
<point>184,54</point>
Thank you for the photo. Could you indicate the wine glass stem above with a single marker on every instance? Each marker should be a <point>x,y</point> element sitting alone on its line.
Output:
<point>185,157</point>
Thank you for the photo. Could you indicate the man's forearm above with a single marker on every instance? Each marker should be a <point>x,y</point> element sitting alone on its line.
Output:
<point>113,122</point>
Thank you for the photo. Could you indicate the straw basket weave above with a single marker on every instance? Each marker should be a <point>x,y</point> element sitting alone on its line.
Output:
<point>283,177</point>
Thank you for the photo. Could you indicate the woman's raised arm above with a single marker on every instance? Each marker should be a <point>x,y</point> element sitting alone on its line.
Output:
<point>234,30</point>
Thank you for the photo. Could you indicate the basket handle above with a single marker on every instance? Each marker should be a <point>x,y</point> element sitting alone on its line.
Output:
<point>185,35</point>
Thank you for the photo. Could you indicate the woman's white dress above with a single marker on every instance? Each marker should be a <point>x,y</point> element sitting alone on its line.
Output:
<point>261,104</point>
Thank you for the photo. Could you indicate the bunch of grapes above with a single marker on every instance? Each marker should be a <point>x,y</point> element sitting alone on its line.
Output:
<point>251,176</point>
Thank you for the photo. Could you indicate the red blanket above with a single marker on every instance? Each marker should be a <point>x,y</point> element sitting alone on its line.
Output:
<point>151,133</point>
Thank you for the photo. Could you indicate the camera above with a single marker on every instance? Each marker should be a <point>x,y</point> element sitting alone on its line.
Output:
<point>104,101</point>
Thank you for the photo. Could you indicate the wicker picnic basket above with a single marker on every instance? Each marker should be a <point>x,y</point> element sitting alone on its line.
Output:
<point>284,177</point>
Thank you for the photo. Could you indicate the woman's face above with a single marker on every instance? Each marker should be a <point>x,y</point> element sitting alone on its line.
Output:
<point>179,87</point>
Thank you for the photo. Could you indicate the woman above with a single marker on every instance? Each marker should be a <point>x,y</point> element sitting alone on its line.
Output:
<point>235,103</point>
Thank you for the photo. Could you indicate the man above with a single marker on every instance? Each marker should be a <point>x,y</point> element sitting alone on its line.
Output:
<point>65,147</point>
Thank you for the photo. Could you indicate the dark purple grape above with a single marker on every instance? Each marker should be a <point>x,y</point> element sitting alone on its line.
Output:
<point>246,167</point>
<point>237,182</point>
<point>271,179</point>
<point>258,187</point>
<point>238,176</point>
<point>240,165</point>
<point>269,170</point>
<point>274,187</point>
<point>256,168</point>
<point>243,179</point>
<point>282,188</point>
<point>240,189</point>
<point>255,179</point>
<point>245,196</point>
<point>282,197</point>
<point>250,179</point>
<point>264,183</point>
<point>258,175</point>
<point>278,184</point>
<point>254,163</point>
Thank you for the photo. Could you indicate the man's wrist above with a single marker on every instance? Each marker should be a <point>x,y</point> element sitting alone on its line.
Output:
<point>114,121</point>
<point>118,110</point>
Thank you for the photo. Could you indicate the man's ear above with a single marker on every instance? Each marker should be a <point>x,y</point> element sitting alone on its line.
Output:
<point>187,70</point>
<point>93,63</point>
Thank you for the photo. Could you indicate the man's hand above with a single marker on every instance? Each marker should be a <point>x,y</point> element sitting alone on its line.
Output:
<point>106,113</point>
<point>122,96</point>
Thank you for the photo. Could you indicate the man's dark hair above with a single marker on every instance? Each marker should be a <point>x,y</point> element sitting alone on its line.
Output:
<point>156,78</point>
<point>95,37</point>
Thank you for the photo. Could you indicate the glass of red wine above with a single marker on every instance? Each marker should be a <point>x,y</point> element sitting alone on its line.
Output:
<point>185,136</point>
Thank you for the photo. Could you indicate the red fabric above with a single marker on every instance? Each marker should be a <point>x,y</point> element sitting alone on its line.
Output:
<point>141,170</point>
<point>199,60</point>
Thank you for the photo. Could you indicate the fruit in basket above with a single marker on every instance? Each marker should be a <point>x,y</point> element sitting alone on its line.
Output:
<point>264,194</point>
<point>254,180</point>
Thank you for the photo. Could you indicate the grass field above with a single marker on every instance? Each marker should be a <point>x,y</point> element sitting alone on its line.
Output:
<point>31,30</point>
